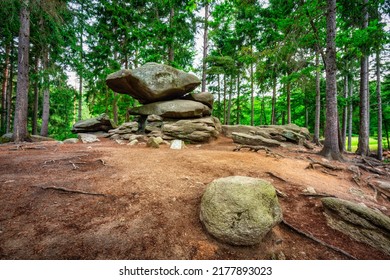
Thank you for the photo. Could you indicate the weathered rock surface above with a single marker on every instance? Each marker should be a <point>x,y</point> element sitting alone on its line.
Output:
<point>71,141</point>
<point>100,123</point>
<point>6,138</point>
<point>177,145</point>
<point>88,138</point>
<point>193,130</point>
<point>254,140</point>
<point>240,210</point>
<point>154,142</point>
<point>205,98</point>
<point>125,128</point>
<point>176,109</point>
<point>152,82</point>
<point>359,222</point>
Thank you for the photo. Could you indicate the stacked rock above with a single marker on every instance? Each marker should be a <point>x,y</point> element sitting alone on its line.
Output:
<point>169,110</point>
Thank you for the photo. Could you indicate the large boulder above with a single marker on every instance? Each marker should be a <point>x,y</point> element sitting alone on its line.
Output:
<point>99,123</point>
<point>240,210</point>
<point>359,222</point>
<point>6,138</point>
<point>254,140</point>
<point>199,130</point>
<point>152,82</point>
<point>205,98</point>
<point>176,109</point>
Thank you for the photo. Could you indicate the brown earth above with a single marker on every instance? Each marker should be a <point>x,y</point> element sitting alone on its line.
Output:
<point>149,207</point>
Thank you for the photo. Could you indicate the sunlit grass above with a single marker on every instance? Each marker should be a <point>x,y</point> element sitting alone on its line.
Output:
<point>354,144</point>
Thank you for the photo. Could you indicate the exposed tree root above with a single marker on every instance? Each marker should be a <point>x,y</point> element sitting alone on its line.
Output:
<point>326,165</point>
<point>318,241</point>
<point>69,190</point>
<point>257,148</point>
<point>317,194</point>
<point>276,176</point>
<point>372,169</point>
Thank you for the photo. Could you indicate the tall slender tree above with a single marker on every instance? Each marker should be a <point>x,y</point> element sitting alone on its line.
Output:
<point>331,143</point>
<point>20,120</point>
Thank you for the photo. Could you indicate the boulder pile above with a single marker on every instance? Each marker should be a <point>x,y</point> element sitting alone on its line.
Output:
<point>169,110</point>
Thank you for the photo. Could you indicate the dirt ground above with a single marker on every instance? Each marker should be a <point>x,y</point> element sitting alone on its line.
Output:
<point>143,203</point>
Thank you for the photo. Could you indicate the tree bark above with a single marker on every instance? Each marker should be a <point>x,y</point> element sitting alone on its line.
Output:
<point>10,90</point>
<point>252,93</point>
<point>230,100</point>
<point>273,113</point>
<point>20,119</point>
<point>350,115</point>
<point>288,102</point>
<point>316,138</point>
<point>46,95</point>
<point>238,98</point>
<point>36,99</point>
<point>379,101</point>
<point>331,145</point>
<point>80,96</point>
<point>219,97</point>
<point>363,144</point>
<point>115,107</point>
<point>4,89</point>
<point>345,114</point>
<point>224,99</point>
<point>171,52</point>
<point>205,44</point>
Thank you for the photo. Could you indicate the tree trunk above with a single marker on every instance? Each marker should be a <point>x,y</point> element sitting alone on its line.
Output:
<point>80,97</point>
<point>345,114</point>
<point>363,144</point>
<point>230,100</point>
<point>350,115</point>
<point>205,44</point>
<point>46,95</point>
<point>252,94</point>
<point>288,102</point>
<point>10,90</point>
<point>238,99</point>
<point>331,144</point>
<point>20,119</point>
<point>36,99</point>
<point>4,90</point>
<point>219,97</point>
<point>316,138</point>
<point>224,99</point>
<point>273,120</point>
<point>379,101</point>
<point>115,108</point>
<point>171,52</point>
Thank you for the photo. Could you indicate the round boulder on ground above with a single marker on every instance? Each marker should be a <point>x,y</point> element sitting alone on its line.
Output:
<point>240,210</point>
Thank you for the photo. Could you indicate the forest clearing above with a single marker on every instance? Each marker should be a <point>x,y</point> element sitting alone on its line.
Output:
<point>119,118</point>
<point>143,203</point>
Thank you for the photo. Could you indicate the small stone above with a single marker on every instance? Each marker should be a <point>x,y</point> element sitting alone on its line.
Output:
<point>88,138</point>
<point>177,145</point>
<point>120,142</point>
<point>71,141</point>
<point>153,142</point>
<point>310,190</point>
<point>133,143</point>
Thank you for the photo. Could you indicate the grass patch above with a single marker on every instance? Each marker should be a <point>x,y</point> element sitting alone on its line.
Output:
<point>373,143</point>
